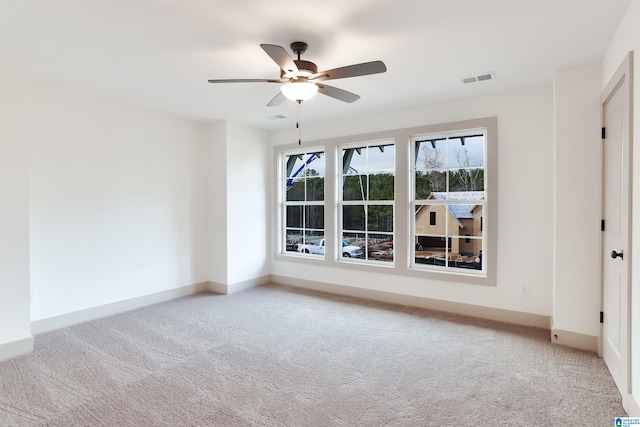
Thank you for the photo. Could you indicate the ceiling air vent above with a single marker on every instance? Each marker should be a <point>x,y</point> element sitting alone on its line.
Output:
<point>479,78</point>
<point>276,117</point>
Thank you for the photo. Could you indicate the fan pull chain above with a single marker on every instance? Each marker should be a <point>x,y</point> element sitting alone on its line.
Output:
<point>298,121</point>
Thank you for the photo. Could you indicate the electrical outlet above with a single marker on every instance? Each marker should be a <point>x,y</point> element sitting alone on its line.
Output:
<point>525,291</point>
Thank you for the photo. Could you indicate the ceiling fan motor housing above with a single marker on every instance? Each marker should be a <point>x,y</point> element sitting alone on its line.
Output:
<point>306,68</point>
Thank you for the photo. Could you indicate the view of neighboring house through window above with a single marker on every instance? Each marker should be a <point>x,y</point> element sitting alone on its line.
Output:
<point>435,182</point>
<point>367,199</point>
<point>303,211</point>
<point>449,198</point>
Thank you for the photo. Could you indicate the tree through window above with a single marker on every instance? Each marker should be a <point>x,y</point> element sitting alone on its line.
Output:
<point>449,200</point>
<point>367,199</point>
<point>304,202</point>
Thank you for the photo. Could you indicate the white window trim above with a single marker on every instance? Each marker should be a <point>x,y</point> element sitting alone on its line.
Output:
<point>402,221</point>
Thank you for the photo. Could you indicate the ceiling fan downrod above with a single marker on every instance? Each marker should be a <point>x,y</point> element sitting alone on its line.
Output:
<point>299,48</point>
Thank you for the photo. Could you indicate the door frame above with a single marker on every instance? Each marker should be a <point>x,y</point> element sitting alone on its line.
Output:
<point>622,74</point>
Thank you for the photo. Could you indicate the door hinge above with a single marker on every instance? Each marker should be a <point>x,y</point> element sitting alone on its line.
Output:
<point>604,133</point>
<point>601,317</point>
<point>602,225</point>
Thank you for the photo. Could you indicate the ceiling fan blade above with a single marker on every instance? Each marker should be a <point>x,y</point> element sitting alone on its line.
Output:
<point>338,93</point>
<point>280,57</point>
<point>277,100</point>
<point>248,80</point>
<point>373,67</point>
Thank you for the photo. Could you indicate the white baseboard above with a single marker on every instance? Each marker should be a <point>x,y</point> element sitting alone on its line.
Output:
<point>16,348</point>
<point>574,340</point>
<point>68,319</point>
<point>220,288</point>
<point>500,315</point>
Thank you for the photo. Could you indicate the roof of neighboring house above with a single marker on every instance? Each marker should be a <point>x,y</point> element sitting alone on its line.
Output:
<point>459,211</point>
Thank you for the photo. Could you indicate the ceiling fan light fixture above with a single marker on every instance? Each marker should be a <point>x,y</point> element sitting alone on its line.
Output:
<point>299,91</point>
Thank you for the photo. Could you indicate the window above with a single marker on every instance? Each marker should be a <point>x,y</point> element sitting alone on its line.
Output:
<point>303,187</point>
<point>417,202</point>
<point>367,193</point>
<point>449,183</point>
<point>432,218</point>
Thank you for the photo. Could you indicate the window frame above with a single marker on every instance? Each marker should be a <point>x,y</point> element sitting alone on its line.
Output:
<point>366,202</point>
<point>402,222</point>
<point>283,179</point>
<point>451,260</point>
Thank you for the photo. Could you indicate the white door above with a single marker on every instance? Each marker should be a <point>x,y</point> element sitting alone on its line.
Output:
<point>615,239</point>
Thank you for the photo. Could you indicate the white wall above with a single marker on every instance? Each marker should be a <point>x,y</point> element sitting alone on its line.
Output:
<point>248,201</point>
<point>577,201</point>
<point>217,202</point>
<point>118,202</point>
<point>15,327</point>
<point>239,196</point>
<point>627,39</point>
<point>525,201</point>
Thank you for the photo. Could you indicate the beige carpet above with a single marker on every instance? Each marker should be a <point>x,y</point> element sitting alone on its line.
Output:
<point>278,356</point>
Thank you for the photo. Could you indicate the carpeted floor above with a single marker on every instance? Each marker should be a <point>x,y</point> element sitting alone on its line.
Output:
<point>281,356</point>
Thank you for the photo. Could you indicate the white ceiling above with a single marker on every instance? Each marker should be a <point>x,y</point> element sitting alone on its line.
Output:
<point>158,54</point>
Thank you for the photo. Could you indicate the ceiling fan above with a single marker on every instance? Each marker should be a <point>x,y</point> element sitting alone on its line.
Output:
<point>301,78</point>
